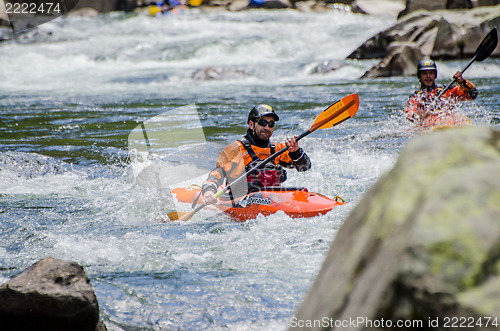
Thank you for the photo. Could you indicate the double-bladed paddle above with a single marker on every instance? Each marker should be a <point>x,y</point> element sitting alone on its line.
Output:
<point>337,113</point>
<point>485,48</point>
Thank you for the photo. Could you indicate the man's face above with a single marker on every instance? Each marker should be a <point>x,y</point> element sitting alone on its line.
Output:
<point>262,132</point>
<point>427,77</point>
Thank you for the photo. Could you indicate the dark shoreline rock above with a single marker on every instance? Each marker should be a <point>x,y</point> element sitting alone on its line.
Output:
<point>219,73</point>
<point>51,295</point>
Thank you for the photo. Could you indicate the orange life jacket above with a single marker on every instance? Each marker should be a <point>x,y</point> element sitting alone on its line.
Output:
<point>235,159</point>
<point>272,174</point>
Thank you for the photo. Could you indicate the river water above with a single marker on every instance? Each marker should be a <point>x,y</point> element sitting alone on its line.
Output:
<point>73,96</point>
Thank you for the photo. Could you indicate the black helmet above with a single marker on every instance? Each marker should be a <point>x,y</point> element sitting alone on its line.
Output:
<point>262,110</point>
<point>425,65</point>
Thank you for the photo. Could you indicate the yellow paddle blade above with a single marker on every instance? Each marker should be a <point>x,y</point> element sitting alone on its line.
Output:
<point>337,113</point>
<point>176,215</point>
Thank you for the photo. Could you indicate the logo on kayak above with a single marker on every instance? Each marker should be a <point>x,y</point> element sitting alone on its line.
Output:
<point>250,200</point>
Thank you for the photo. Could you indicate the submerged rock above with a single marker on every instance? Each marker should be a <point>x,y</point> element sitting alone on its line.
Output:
<point>219,73</point>
<point>327,66</point>
<point>51,295</point>
<point>422,244</point>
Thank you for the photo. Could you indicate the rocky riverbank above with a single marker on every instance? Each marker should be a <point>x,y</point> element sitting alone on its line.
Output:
<point>440,35</point>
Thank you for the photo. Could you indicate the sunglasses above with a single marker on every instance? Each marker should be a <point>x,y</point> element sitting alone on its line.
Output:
<point>263,122</point>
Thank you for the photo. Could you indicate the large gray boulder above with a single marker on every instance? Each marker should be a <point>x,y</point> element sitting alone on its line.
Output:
<point>422,244</point>
<point>51,295</point>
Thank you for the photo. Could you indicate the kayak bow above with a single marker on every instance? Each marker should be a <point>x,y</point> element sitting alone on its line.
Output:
<point>442,120</point>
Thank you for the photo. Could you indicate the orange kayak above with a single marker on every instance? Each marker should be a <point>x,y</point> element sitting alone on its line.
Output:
<point>441,120</point>
<point>294,202</point>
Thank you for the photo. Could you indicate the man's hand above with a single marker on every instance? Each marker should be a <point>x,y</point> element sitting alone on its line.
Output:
<point>209,198</point>
<point>292,144</point>
<point>458,77</point>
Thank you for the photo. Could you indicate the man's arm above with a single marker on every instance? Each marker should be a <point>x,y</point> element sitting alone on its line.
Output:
<point>229,163</point>
<point>209,187</point>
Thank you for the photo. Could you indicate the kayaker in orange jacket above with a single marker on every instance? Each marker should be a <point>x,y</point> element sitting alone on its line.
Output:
<point>422,103</point>
<point>238,157</point>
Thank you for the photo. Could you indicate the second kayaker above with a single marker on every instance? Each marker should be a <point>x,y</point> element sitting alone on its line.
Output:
<point>421,104</point>
<point>238,157</point>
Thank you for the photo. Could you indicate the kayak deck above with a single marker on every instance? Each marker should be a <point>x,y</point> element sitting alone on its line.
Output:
<point>294,202</point>
<point>441,120</point>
